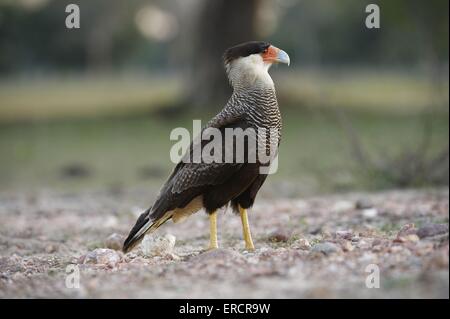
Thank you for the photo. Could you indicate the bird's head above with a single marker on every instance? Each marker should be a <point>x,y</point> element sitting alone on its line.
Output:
<point>247,64</point>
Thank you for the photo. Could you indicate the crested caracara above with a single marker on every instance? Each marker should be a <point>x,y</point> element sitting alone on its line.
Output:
<point>194,185</point>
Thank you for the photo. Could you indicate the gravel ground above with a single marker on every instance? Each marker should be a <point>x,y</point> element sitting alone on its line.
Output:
<point>317,247</point>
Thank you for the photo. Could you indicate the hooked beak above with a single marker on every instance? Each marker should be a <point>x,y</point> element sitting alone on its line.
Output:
<point>283,57</point>
<point>275,55</point>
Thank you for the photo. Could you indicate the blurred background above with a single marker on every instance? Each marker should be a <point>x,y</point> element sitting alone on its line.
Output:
<point>92,108</point>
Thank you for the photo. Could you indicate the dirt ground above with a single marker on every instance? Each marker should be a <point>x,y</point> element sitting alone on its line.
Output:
<point>317,247</point>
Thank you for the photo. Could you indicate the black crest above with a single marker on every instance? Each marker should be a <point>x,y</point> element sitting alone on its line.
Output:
<point>244,49</point>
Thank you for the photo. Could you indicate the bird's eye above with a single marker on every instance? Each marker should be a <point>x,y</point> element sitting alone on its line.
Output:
<point>265,51</point>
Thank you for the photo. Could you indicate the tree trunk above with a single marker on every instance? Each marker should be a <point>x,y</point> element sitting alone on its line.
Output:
<point>221,24</point>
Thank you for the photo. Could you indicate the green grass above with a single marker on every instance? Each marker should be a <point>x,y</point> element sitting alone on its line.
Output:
<point>78,96</point>
<point>84,96</point>
<point>381,91</point>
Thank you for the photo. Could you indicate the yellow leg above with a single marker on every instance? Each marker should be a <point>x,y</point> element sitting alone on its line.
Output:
<point>246,229</point>
<point>213,231</point>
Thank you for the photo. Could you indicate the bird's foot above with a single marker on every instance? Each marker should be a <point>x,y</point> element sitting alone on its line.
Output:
<point>212,247</point>
<point>250,247</point>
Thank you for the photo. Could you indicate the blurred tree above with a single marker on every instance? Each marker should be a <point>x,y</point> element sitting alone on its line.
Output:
<point>220,24</point>
<point>314,32</point>
<point>36,38</point>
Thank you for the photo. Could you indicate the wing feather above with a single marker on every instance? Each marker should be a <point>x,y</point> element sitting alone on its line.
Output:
<point>187,181</point>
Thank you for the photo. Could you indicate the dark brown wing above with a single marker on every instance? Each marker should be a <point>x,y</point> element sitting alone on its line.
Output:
<point>187,181</point>
<point>190,179</point>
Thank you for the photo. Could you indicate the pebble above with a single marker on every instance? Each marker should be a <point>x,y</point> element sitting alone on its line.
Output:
<point>407,229</point>
<point>363,244</point>
<point>347,246</point>
<point>50,249</point>
<point>376,242</point>
<point>102,256</point>
<point>363,204</point>
<point>370,213</point>
<point>279,237</point>
<point>158,245</point>
<point>114,241</point>
<point>303,244</point>
<point>407,233</point>
<point>355,239</point>
<point>325,248</point>
<point>315,230</point>
<point>407,238</point>
<point>344,234</point>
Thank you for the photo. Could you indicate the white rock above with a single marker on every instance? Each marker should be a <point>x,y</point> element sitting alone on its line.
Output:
<point>114,241</point>
<point>103,256</point>
<point>303,244</point>
<point>370,213</point>
<point>158,245</point>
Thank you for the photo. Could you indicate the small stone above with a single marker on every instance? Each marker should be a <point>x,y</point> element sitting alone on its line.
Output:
<point>408,238</point>
<point>363,244</point>
<point>363,204</point>
<point>376,242</point>
<point>344,234</point>
<point>377,248</point>
<point>326,248</point>
<point>412,238</point>
<point>303,244</point>
<point>370,213</point>
<point>158,245</point>
<point>279,237</point>
<point>102,256</point>
<point>173,257</point>
<point>347,246</point>
<point>326,234</point>
<point>432,230</point>
<point>407,230</point>
<point>315,230</point>
<point>114,241</point>
<point>407,233</point>
<point>50,249</point>
<point>356,239</point>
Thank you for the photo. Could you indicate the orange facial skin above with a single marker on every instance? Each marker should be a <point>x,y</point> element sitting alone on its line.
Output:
<point>270,55</point>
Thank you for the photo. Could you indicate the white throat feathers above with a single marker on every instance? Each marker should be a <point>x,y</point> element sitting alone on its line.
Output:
<point>249,72</point>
